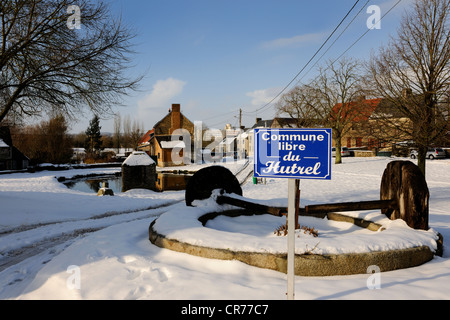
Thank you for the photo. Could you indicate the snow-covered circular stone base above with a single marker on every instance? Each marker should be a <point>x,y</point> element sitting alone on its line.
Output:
<point>341,248</point>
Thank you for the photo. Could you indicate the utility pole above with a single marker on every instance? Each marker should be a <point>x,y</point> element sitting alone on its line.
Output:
<point>240,119</point>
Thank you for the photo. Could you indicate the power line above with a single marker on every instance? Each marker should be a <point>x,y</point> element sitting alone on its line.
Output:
<point>316,53</point>
<point>334,42</point>
<point>363,35</point>
<point>298,74</point>
<point>312,58</point>
<point>221,115</point>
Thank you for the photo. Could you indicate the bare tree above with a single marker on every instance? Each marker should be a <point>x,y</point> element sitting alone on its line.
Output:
<point>337,102</point>
<point>413,74</point>
<point>47,141</point>
<point>136,133</point>
<point>46,64</point>
<point>126,139</point>
<point>117,129</point>
<point>298,105</point>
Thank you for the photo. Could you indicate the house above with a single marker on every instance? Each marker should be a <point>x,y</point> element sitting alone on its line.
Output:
<point>378,125</point>
<point>356,115</point>
<point>368,129</point>
<point>10,157</point>
<point>365,130</point>
<point>159,142</point>
<point>246,138</point>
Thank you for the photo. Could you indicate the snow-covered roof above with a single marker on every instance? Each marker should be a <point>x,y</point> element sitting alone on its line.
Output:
<point>172,144</point>
<point>138,158</point>
<point>3,144</point>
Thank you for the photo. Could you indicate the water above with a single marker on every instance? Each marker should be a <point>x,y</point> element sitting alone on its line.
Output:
<point>163,182</point>
<point>92,185</point>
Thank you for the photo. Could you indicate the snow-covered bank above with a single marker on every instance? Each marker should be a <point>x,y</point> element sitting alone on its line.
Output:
<point>256,233</point>
<point>119,262</point>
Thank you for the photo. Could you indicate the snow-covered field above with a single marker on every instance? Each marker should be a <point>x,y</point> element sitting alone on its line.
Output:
<point>57,243</point>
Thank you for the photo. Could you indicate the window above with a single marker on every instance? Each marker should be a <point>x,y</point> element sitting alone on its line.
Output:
<point>359,142</point>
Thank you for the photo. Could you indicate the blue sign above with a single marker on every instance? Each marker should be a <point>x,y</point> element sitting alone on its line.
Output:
<point>293,153</point>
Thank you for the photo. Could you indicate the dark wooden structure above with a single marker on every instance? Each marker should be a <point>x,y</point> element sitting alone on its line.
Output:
<point>404,183</point>
<point>138,172</point>
<point>404,195</point>
<point>205,181</point>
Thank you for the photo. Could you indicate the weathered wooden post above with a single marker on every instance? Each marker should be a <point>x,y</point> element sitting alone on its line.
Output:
<point>404,182</point>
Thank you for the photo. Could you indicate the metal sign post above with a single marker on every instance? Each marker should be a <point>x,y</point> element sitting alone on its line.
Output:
<point>294,154</point>
<point>292,223</point>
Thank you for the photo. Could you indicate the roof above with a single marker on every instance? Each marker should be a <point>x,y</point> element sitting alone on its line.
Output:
<point>166,142</point>
<point>169,115</point>
<point>3,144</point>
<point>386,108</point>
<point>357,111</point>
<point>286,122</point>
<point>5,135</point>
<point>172,144</point>
<point>147,137</point>
<point>138,158</point>
<point>263,124</point>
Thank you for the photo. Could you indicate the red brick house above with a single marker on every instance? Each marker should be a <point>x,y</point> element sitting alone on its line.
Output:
<point>158,143</point>
<point>365,130</point>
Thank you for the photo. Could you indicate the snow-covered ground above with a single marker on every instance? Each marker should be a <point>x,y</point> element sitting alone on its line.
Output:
<point>57,243</point>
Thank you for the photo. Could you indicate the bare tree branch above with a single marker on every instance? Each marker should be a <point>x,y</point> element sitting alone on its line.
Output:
<point>337,98</point>
<point>45,65</point>
<point>413,74</point>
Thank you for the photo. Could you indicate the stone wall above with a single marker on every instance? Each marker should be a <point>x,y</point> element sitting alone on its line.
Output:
<point>364,153</point>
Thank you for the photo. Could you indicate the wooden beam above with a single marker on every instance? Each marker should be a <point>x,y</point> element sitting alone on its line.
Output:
<point>349,206</point>
<point>318,211</point>
<point>275,211</point>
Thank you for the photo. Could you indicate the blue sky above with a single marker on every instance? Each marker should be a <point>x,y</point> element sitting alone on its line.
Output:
<point>215,57</point>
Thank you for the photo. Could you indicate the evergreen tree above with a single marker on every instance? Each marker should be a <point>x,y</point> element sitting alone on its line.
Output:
<point>57,143</point>
<point>93,142</point>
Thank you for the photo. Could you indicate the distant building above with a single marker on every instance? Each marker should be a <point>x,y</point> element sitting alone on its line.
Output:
<point>10,157</point>
<point>158,143</point>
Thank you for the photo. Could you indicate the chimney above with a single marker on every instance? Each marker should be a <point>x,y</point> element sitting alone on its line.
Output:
<point>406,93</point>
<point>176,118</point>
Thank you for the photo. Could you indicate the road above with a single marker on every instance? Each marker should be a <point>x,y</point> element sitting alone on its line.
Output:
<point>35,240</point>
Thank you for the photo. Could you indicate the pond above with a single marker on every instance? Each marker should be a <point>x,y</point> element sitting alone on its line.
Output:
<point>163,182</point>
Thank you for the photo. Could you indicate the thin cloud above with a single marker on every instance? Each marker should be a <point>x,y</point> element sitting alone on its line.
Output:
<point>296,41</point>
<point>264,96</point>
<point>162,94</point>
